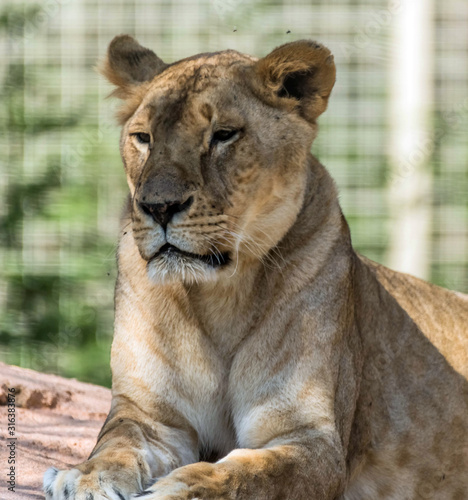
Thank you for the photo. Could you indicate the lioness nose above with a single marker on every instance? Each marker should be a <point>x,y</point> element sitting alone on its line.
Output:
<point>162,213</point>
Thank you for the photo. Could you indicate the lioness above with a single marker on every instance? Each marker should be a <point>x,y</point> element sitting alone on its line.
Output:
<point>256,355</point>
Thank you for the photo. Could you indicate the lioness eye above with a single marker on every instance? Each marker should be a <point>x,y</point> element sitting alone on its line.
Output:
<point>143,138</point>
<point>223,135</point>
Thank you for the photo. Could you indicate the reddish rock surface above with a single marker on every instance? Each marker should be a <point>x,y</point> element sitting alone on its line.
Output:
<point>57,422</point>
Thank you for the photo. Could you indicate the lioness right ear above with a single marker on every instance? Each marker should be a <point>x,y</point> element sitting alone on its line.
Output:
<point>128,64</point>
<point>303,71</point>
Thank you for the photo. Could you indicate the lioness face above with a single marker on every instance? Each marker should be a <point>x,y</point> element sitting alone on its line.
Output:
<point>215,150</point>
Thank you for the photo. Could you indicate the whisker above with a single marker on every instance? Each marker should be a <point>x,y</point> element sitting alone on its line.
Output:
<point>140,229</point>
<point>274,249</point>
<point>214,248</point>
<point>257,252</point>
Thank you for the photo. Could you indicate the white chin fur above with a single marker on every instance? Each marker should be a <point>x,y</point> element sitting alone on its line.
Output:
<point>175,268</point>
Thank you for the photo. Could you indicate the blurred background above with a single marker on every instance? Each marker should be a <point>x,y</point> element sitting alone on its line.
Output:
<point>394,138</point>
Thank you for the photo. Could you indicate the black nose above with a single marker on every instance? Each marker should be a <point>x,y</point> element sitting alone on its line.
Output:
<point>162,213</point>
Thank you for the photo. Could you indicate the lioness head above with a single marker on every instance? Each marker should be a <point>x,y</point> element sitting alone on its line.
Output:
<point>215,150</point>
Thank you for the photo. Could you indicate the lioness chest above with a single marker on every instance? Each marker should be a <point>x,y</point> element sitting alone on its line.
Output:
<point>214,395</point>
<point>189,345</point>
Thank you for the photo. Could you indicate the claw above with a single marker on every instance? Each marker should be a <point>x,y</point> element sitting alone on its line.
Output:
<point>119,494</point>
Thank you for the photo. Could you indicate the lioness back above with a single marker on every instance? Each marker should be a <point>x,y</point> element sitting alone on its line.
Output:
<point>440,314</point>
<point>412,415</point>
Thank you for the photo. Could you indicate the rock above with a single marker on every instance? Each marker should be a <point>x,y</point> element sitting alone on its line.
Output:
<point>57,421</point>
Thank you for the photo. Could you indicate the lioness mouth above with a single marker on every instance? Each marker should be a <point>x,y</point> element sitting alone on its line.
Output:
<point>213,260</point>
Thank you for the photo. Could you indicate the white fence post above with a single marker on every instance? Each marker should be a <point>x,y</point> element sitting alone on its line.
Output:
<point>410,141</point>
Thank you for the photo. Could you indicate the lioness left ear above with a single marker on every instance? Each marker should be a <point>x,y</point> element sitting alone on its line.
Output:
<point>302,70</point>
<point>128,64</point>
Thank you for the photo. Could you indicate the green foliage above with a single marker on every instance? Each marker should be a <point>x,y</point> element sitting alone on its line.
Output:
<point>50,320</point>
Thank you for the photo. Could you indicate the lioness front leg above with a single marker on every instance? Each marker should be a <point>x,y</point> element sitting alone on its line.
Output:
<point>132,449</point>
<point>305,465</point>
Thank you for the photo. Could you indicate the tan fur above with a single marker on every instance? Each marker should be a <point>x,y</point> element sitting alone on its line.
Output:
<point>295,369</point>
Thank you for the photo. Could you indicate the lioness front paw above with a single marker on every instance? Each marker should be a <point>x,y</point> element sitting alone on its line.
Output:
<point>73,484</point>
<point>200,481</point>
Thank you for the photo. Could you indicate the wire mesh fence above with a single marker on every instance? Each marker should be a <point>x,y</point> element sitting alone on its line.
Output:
<point>63,187</point>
